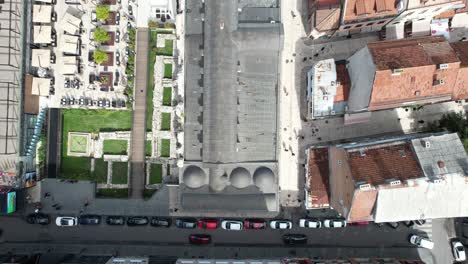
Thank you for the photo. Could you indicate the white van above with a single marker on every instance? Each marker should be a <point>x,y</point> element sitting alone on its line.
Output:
<point>421,242</point>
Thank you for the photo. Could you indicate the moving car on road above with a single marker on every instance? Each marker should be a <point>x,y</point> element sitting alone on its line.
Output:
<point>281,224</point>
<point>200,239</point>
<point>421,241</point>
<point>310,223</point>
<point>137,221</point>
<point>232,225</point>
<point>334,223</point>
<point>294,239</point>
<point>186,223</point>
<point>208,223</point>
<point>160,222</point>
<point>255,224</point>
<point>66,221</point>
<point>115,220</point>
<point>89,220</point>
<point>38,218</point>
<point>458,251</point>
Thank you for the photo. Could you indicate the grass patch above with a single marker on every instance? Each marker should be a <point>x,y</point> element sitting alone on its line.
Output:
<point>155,174</point>
<point>167,96</point>
<point>78,143</point>
<point>119,172</point>
<point>168,71</point>
<point>79,168</point>
<point>150,84</point>
<point>112,193</point>
<point>165,147</point>
<point>114,146</point>
<point>148,149</point>
<point>100,171</point>
<point>148,193</point>
<point>165,121</point>
<point>168,49</point>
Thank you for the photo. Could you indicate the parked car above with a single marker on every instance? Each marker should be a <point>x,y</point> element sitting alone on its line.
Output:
<point>232,225</point>
<point>115,220</point>
<point>186,223</point>
<point>421,242</point>
<point>93,16</point>
<point>334,223</point>
<point>393,225</point>
<point>130,10</point>
<point>379,224</point>
<point>408,223</point>
<point>137,221</point>
<point>255,224</point>
<point>160,222</point>
<point>208,223</point>
<point>458,251</point>
<point>117,18</point>
<point>66,221</point>
<point>89,220</point>
<point>117,36</point>
<point>420,222</point>
<point>294,239</point>
<point>38,218</point>
<point>200,239</point>
<point>310,223</point>
<point>281,224</point>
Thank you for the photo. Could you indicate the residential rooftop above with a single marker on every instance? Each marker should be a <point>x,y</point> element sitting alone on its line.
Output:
<point>318,178</point>
<point>461,49</point>
<point>362,10</point>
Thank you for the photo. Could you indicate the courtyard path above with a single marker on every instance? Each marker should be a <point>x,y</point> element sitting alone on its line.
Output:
<point>137,159</point>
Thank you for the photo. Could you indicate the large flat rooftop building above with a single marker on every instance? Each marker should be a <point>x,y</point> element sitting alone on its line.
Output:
<point>231,80</point>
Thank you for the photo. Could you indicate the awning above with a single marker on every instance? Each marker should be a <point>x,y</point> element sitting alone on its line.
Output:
<point>440,27</point>
<point>42,13</point>
<point>42,34</point>
<point>395,31</point>
<point>68,65</point>
<point>421,28</point>
<point>69,44</point>
<point>40,58</point>
<point>70,23</point>
<point>40,86</point>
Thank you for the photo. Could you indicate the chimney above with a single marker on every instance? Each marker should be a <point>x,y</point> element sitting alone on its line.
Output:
<point>441,164</point>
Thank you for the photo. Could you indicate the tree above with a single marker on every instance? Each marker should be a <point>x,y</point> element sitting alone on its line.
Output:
<point>101,35</point>
<point>454,123</point>
<point>100,56</point>
<point>102,12</point>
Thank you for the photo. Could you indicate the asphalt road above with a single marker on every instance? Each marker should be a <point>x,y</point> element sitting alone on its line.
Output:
<point>353,241</point>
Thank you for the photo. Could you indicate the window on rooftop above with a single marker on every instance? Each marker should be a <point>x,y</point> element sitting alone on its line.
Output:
<point>381,22</point>
<point>347,27</point>
<point>417,93</point>
<point>359,25</point>
<point>370,24</point>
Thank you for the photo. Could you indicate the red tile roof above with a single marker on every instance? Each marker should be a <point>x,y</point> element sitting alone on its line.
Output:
<point>369,9</point>
<point>319,186</point>
<point>327,19</point>
<point>461,87</point>
<point>362,206</point>
<point>379,163</point>
<point>461,49</point>
<point>342,76</point>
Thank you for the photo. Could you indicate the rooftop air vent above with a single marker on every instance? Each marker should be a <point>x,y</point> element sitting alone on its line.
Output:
<point>437,180</point>
<point>397,71</point>
<point>365,187</point>
<point>395,183</point>
<point>362,152</point>
<point>443,66</point>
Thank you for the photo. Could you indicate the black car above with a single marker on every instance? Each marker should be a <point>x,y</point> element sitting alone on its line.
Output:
<point>186,223</point>
<point>137,221</point>
<point>89,220</point>
<point>294,239</point>
<point>38,218</point>
<point>115,220</point>
<point>160,222</point>
<point>200,239</point>
<point>420,222</point>
<point>408,223</point>
<point>393,225</point>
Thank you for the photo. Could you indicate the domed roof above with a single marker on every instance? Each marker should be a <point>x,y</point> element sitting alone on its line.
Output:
<point>264,178</point>
<point>194,177</point>
<point>240,177</point>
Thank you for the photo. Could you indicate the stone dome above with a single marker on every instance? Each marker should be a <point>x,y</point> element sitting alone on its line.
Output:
<point>194,177</point>
<point>264,178</point>
<point>240,177</point>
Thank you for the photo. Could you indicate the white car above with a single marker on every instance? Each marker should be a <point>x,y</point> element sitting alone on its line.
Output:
<point>421,242</point>
<point>334,223</point>
<point>310,223</point>
<point>232,225</point>
<point>458,251</point>
<point>280,224</point>
<point>66,221</point>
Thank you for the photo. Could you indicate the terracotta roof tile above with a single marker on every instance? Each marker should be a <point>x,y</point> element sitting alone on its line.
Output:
<point>461,87</point>
<point>461,49</point>
<point>379,163</point>
<point>342,76</point>
<point>319,186</point>
<point>369,9</point>
<point>362,206</point>
<point>328,3</point>
<point>327,19</point>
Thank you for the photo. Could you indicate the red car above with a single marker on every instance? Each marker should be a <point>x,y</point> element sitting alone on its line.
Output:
<point>255,224</point>
<point>208,223</point>
<point>200,239</point>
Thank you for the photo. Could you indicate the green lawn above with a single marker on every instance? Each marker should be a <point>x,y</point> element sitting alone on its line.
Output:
<point>112,193</point>
<point>165,147</point>
<point>79,168</point>
<point>155,174</point>
<point>114,146</point>
<point>165,121</point>
<point>93,121</point>
<point>168,71</point>
<point>100,171</point>
<point>167,96</point>
<point>79,143</point>
<point>148,149</point>
<point>149,98</point>
<point>168,49</point>
<point>119,172</point>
